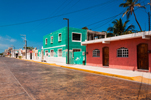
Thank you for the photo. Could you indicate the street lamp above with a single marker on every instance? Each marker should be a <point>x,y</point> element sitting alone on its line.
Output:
<point>68,36</point>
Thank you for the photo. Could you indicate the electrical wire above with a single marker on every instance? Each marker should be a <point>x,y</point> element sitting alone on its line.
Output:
<point>55,16</point>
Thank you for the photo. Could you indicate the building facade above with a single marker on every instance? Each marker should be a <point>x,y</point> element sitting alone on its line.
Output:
<point>131,52</point>
<point>55,45</point>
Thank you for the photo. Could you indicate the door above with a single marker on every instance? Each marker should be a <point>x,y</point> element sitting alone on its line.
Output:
<point>79,58</point>
<point>30,55</point>
<point>106,56</point>
<point>142,56</point>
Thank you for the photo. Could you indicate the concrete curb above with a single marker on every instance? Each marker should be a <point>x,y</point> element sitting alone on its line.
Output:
<point>137,78</point>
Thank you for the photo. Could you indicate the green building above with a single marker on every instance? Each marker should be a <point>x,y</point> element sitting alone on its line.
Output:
<point>55,46</point>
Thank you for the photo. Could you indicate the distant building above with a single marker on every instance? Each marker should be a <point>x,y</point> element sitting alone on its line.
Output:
<point>7,52</point>
<point>16,53</point>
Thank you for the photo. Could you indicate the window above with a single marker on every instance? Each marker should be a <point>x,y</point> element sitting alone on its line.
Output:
<point>76,50</point>
<point>76,36</point>
<point>96,53</point>
<point>59,37</point>
<point>59,52</point>
<point>52,39</point>
<point>46,53</point>
<point>46,41</point>
<point>122,52</point>
<point>52,53</point>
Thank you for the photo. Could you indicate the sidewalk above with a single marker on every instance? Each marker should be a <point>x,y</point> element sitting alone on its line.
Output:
<point>144,77</point>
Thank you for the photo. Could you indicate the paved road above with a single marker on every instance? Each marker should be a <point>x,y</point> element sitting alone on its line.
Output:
<point>23,80</point>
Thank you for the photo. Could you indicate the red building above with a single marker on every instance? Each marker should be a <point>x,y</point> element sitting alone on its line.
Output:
<point>131,52</point>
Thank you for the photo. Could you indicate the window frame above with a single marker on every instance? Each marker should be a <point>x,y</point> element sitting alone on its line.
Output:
<point>96,52</point>
<point>51,39</point>
<point>59,53</point>
<point>122,52</point>
<point>60,38</point>
<point>46,41</point>
<point>45,53</point>
<point>51,53</point>
<point>76,40</point>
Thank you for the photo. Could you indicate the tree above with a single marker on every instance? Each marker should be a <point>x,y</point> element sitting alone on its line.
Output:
<point>1,53</point>
<point>119,28</point>
<point>130,4</point>
<point>85,28</point>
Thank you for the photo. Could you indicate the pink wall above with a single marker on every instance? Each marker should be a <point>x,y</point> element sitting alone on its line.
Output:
<point>129,63</point>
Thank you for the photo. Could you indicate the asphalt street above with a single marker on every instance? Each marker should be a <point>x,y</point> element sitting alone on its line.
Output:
<point>24,80</point>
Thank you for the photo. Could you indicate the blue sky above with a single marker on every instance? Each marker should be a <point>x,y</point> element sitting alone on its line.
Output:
<point>22,11</point>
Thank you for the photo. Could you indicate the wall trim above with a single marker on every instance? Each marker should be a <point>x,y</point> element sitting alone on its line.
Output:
<point>55,46</point>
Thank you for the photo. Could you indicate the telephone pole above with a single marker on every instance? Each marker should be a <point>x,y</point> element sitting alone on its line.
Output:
<point>149,13</point>
<point>25,46</point>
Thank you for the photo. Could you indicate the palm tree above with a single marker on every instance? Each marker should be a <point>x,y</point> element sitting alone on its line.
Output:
<point>85,28</point>
<point>130,4</point>
<point>119,28</point>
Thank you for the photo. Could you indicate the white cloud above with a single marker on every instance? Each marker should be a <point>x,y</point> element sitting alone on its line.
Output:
<point>7,38</point>
<point>4,45</point>
<point>12,40</point>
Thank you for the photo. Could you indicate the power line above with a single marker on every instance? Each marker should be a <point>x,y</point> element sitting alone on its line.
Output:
<point>105,23</point>
<point>104,19</point>
<point>56,15</point>
<point>93,13</point>
<point>51,14</point>
<point>59,11</point>
<point>108,18</point>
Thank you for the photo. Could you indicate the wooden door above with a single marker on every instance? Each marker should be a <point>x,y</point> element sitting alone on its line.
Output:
<point>106,56</point>
<point>142,56</point>
<point>30,55</point>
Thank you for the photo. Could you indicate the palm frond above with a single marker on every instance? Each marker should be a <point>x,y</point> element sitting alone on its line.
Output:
<point>130,27</point>
<point>128,15</point>
<point>119,28</point>
<point>125,13</point>
<point>110,29</point>
<point>124,5</point>
<point>124,25</point>
<point>135,1</point>
<point>139,5</point>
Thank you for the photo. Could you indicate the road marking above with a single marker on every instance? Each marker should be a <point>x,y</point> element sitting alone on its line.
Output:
<point>18,82</point>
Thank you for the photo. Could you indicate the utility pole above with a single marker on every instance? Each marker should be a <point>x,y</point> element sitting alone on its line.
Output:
<point>149,13</point>
<point>149,20</point>
<point>14,50</point>
<point>25,46</point>
<point>68,36</point>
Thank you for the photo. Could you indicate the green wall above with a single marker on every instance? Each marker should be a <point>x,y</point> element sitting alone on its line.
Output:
<point>63,44</point>
<point>39,51</point>
<point>74,44</point>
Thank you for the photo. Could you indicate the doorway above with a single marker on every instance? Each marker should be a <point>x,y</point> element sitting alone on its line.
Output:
<point>30,55</point>
<point>105,56</point>
<point>142,56</point>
